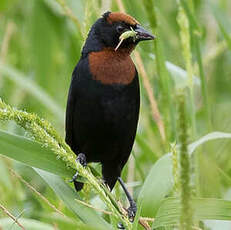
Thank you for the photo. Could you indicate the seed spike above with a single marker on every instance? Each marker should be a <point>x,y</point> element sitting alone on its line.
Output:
<point>125,35</point>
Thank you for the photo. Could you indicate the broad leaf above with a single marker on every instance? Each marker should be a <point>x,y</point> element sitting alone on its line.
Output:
<point>33,88</point>
<point>179,75</point>
<point>29,224</point>
<point>68,195</point>
<point>204,209</point>
<point>32,153</point>
<point>156,186</point>
<point>209,137</point>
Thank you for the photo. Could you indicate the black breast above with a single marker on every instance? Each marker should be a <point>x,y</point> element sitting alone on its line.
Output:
<point>101,120</point>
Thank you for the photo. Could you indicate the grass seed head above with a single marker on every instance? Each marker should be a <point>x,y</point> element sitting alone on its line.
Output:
<point>127,34</point>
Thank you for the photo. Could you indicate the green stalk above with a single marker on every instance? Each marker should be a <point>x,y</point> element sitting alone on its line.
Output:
<point>195,34</point>
<point>161,67</point>
<point>189,10</point>
<point>186,209</point>
<point>175,168</point>
<point>187,54</point>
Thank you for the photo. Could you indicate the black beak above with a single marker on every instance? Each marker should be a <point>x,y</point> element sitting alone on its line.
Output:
<point>143,34</point>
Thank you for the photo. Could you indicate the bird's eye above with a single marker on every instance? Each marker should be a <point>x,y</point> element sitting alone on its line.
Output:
<point>119,29</point>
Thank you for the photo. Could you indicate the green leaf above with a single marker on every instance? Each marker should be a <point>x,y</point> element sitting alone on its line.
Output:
<point>204,209</point>
<point>209,137</point>
<point>222,21</point>
<point>31,87</point>
<point>156,186</point>
<point>179,75</point>
<point>32,153</point>
<point>5,177</point>
<point>226,35</point>
<point>29,224</point>
<point>68,195</point>
<point>145,148</point>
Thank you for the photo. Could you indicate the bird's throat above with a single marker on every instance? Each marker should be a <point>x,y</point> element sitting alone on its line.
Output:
<point>112,67</point>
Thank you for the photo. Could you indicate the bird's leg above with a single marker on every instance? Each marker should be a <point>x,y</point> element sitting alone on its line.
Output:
<point>81,158</point>
<point>132,208</point>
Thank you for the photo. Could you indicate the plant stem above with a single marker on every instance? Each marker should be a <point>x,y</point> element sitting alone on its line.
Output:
<point>186,47</point>
<point>186,212</point>
<point>11,216</point>
<point>161,67</point>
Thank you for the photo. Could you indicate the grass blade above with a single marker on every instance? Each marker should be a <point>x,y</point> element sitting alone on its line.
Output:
<point>29,224</point>
<point>209,137</point>
<point>68,195</point>
<point>204,209</point>
<point>179,75</point>
<point>32,88</point>
<point>157,185</point>
<point>32,153</point>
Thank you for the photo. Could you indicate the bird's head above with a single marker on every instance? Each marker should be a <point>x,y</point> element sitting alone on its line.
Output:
<point>115,30</point>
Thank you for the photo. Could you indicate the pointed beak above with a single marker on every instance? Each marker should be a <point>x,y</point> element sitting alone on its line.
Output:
<point>143,34</point>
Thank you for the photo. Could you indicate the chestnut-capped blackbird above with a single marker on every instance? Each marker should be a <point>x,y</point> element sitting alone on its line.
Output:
<point>104,98</point>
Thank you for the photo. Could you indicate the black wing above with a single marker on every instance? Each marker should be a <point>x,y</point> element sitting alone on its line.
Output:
<point>77,76</point>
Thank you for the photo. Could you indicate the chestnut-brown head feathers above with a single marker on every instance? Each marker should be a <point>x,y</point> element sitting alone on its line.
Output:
<point>113,17</point>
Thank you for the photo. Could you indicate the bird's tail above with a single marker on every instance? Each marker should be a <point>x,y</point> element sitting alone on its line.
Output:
<point>78,185</point>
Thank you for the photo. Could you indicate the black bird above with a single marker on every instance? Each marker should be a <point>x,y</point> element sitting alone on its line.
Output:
<point>104,99</point>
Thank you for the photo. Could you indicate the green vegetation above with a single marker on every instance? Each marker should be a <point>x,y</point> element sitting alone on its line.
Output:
<point>180,169</point>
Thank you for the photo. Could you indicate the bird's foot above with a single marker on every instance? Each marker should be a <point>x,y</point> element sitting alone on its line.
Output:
<point>131,215</point>
<point>132,211</point>
<point>81,158</point>
<point>120,226</point>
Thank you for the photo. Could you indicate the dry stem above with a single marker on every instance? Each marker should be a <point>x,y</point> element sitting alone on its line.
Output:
<point>36,192</point>
<point>11,216</point>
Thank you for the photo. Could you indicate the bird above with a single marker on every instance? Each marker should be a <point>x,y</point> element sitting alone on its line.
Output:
<point>104,99</point>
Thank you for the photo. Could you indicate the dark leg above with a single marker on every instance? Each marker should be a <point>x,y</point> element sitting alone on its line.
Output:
<point>81,158</point>
<point>132,208</point>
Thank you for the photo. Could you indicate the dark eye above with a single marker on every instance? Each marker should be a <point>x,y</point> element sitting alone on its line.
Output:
<point>120,29</point>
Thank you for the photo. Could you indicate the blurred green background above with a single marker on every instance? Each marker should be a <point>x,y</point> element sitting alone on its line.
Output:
<point>39,48</point>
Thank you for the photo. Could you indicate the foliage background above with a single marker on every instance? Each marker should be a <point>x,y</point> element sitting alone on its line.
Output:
<point>39,47</point>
